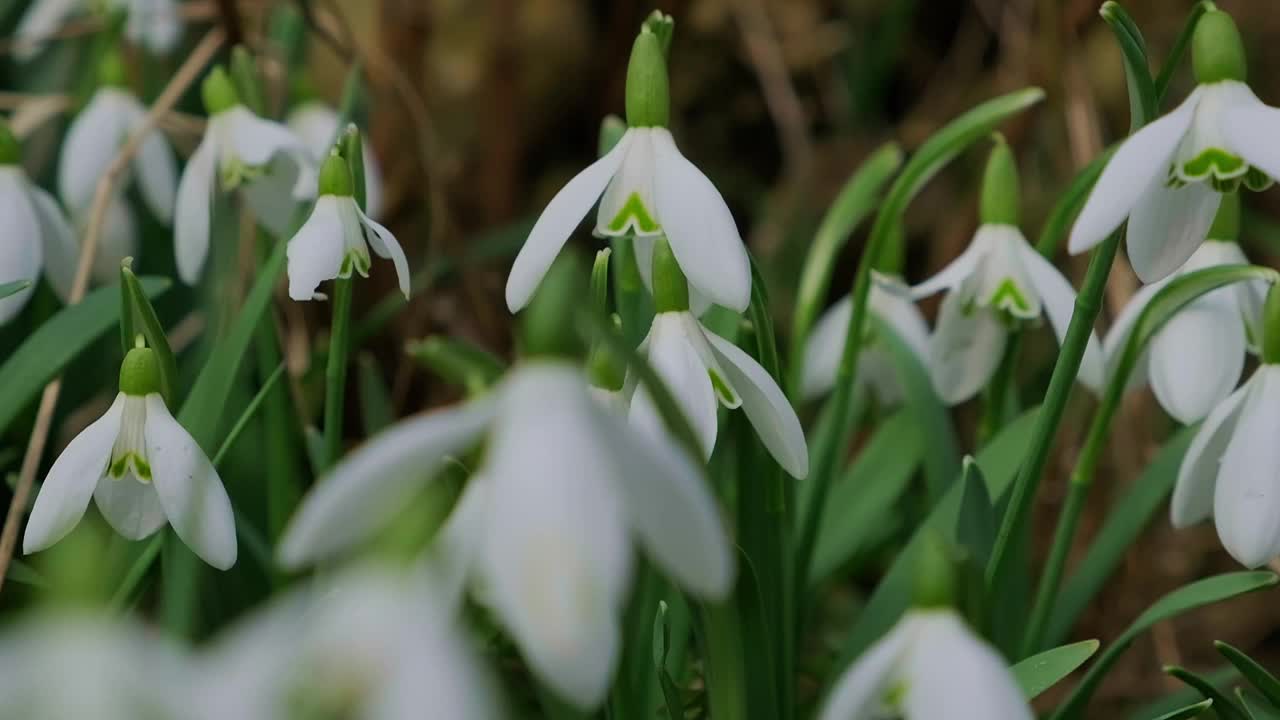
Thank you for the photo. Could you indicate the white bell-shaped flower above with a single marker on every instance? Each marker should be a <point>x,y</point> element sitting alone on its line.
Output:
<point>645,188</point>
<point>143,469</point>
<point>368,644</point>
<point>891,302</point>
<point>317,125</point>
<point>1168,178</point>
<point>545,527</point>
<point>1196,359</point>
<point>335,240</point>
<point>997,281</point>
<point>929,666</point>
<point>265,159</point>
<point>154,24</point>
<point>36,227</point>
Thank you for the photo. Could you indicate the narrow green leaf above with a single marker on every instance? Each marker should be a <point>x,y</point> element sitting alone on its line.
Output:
<point>1256,705</point>
<point>1180,601</point>
<point>1263,681</point>
<point>57,342</point>
<point>661,644</point>
<point>376,411</point>
<point>11,288</point>
<point>1179,48</point>
<point>1069,205</point>
<point>1142,91</point>
<point>976,526</point>
<point>1188,712</point>
<point>1041,672</point>
<point>153,332</point>
<point>249,412</point>
<point>21,572</point>
<point>458,362</point>
<point>1220,678</point>
<point>1224,706</point>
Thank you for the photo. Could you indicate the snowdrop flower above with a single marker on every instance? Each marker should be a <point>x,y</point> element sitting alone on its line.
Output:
<point>239,150</point>
<point>998,282</point>
<point>143,469</point>
<point>316,124</point>
<point>34,223</point>
<point>369,644</point>
<point>930,665</point>
<point>1229,471</point>
<point>335,240</point>
<point>1168,177</point>
<point>154,24</point>
<point>545,526</point>
<point>66,667</point>
<point>1196,359</point>
<point>890,301</point>
<point>645,188</point>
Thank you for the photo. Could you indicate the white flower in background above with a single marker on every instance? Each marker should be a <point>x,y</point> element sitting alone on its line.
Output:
<point>929,666</point>
<point>369,644</point>
<point>891,302</point>
<point>317,125</point>
<point>1196,359</point>
<point>335,240</point>
<point>545,526</point>
<point>239,150</point>
<point>155,24</point>
<point>645,188</point>
<point>999,280</point>
<point>143,470</point>
<point>1168,177</point>
<point>69,667</point>
<point>34,225</point>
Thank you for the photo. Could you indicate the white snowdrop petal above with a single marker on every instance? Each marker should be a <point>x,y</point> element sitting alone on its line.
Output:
<point>1058,300</point>
<point>1249,127</point>
<point>157,173</point>
<point>1198,474</point>
<point>957,271</point>
<point>42,19</point>
<point>386,246</point>
<point>256,141</point>
<point>21,246</point>
<point>677,364</point>
<point>316,251</point>
<point>1196,358</point>
<point>950,672</point>
<point>1166,227</point>
<point>452,557</point>
<point>557,222</point>
<point>59,245</point>
<point>858,693</point>
<point>271,196</point>
<point>93,138</point>
<point>193,210</point>
<point>766,406</point>
<point>1117,337</point>
<point>1246,502</point>
<point>189,488</point>
<point>66,490</point>
<point>155,24</point>
<point>965,348</point>
<point>368,486</point>
<point>703,235</point>
<point>1140,161</point>
<point>132,508</point>
<point>824,348</point>
<point>891,300</point>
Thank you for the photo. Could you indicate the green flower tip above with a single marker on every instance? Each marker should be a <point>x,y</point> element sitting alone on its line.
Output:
<point>10,148</point>
<point>111,70</point>
<point>670,287</point>
<point>335,177</point>
<point>1000,194</point>
<point>547,326</point>
<point>1271,327</point>
<point>140,372</point>
<point>648,95</point>
<point>218,92</point>
<point>1226,224</point>
<point>935,581</point>
<point>1217,52</point>
<point>662,25</point>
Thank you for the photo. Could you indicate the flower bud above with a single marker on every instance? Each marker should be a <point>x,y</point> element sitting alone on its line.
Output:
<point>670,287</point>
<point>648,95</point>
<point>218,92</point>
<point>935,580</point>
<point>1000,195</point>
<point>1226,224</point>
<point>111,72</point>
<point>1217,52</point>
<point>1271,327</point>
<point>335,176</point>
<point>10,148</point>
<point>140,372</point>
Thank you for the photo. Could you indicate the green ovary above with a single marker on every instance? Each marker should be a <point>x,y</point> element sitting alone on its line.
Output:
<point>634,213</point>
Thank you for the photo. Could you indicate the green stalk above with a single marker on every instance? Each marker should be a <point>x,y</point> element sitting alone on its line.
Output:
<point>997,396</point>
<point>726,688</point>
<point>335,372</point>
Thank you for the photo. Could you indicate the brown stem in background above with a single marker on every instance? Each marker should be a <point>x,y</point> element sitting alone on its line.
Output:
<point>182,79</point>
<point>230,21</point>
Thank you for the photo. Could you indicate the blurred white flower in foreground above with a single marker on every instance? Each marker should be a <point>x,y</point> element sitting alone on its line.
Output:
<point>154,24</point>
<point>545,527</point>
<point>68,667</point>
<point>239,150</point>
<point>336,238</point>
<point>143,469</point>
<point>930,666</point>
<point>1196,359</point>
<point>316,124</point>
<point>1168,177</point>
<point>998,281</point>
<point>891,302</point>
<point>34,225</point>
<point>646,188</point>
<point>370,644</point>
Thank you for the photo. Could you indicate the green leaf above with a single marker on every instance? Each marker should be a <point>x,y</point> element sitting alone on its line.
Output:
<point>1179,49</point>
<point>1190,711</point>
<point>152,331</point>
<point>1250,670</point>
<point>57,342</point>
<point>1222,705</point>
<point>376,411</point>
<point>1219,678</point>
<point>1069,205</point>
<point>976,526</point>
<point>661,644</point>
<point>1180,601</point>
<point>1041,672</point>
<point>1142,91</point>
<point>1256,705</point>
<point>11,288</point>
<point>458,362</point>
<point>864,496</point>
<point>854,203</point>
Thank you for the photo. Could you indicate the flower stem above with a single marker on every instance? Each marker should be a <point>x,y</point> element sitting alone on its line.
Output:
<point>335,374</point>
<point>726,691</point>
<point>997,399</point>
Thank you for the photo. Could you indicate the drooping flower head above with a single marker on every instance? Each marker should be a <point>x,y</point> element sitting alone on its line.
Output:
<point>317,125</point>
<point>647,189</point>
<point>1168,178</point>
<point>154,24</point>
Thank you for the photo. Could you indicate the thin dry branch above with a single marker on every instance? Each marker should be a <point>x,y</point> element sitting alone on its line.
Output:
<point>181,81</point>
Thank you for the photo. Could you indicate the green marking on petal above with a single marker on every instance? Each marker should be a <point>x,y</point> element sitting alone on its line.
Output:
<point>141,469</point>
<point>121,465</point>
<point>1213,163</point>
<point>895,696</point>
<point>234,172</point>
<point>724,391</point>
<point>1010,298</point>
<point>635,214</point>
<point>1256,180</point>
